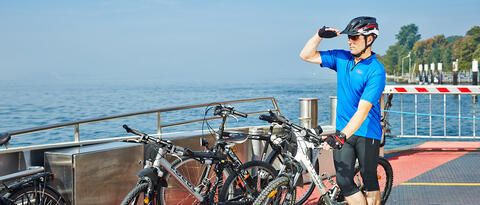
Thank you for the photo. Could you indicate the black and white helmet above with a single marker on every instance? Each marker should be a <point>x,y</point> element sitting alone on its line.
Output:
<point>363,25</point>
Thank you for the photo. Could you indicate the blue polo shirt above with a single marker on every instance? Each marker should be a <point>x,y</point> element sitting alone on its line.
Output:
<point>364,81</point>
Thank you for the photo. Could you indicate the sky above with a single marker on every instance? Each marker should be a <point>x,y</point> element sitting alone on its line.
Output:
<point>179,42</point>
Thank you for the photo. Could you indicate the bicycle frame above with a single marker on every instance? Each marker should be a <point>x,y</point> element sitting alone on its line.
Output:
<point>160,161</point>
<point>302,157</point>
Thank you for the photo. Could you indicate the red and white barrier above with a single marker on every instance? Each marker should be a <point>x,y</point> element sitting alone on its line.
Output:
<point>432,89</point>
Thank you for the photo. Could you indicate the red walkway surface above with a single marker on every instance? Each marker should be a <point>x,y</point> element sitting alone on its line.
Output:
<point>410,163</point>
<point>427,156</point>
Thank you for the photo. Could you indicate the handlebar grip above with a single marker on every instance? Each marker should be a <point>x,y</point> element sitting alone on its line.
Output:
<point>4,138</point>
<point>241,114</point>
<point>135,132</point>
<point>267,118</point>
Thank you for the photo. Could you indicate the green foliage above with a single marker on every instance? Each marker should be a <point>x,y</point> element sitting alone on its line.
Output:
<point>438,49</point>
<point>476,54</point>
<point>475,33</point>
<point>407,36</point>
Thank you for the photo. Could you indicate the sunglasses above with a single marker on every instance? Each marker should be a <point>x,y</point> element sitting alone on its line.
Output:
<point>354,38</point>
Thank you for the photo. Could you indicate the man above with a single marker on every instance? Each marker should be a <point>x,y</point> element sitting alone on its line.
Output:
<point>360,83</point>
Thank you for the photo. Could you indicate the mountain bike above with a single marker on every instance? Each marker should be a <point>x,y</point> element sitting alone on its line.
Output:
<point>196,176</point>
<point>283,189</point>
<point>27,187</point>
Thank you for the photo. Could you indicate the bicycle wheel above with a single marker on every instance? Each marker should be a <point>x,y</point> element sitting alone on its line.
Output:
<point>137,196</point>
<point>303,193</point>
<point>198,174</point>
<point>259,175</point>
<point>37,195</point>
<point>277,192</point>
<point>384,176</point>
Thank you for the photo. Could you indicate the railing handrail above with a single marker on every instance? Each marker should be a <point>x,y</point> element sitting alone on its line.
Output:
<point>432,89</point>
<point>158,111</point>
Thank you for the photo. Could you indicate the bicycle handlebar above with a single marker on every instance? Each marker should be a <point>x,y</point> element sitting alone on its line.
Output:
<point>221,109</point>
<point>172,148</point>
<point>273,117</point>
<point>241,114</point>
<point>4,138</point>
<point>133,131</point>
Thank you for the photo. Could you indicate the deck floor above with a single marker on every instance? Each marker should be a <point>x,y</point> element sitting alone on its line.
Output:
<point>434,173</point>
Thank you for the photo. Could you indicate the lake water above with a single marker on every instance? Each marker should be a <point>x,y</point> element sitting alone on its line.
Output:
<point>24,107</point>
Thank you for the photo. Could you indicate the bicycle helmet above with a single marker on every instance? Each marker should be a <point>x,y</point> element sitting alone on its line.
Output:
<point>365,26</point>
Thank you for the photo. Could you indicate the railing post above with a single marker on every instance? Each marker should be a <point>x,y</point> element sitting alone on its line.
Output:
<point>309,112</point>
<point>444,115</point>
<point>333,110</point>
<point>275,105</point>
<point>401,115</point>
<point>474,108</point>
<point>159,124</point>
<point>416,116</point>
<point>430,117</point>
<point>76,133</point>
<point>459,115</point>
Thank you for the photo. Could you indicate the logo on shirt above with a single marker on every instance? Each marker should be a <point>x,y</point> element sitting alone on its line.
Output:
<point>359,71</point>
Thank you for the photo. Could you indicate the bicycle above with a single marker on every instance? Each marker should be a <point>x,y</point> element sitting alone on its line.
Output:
<point>29,186</point>
<point>283,189</point>
<point>156,179</point>
<point>275,158</point>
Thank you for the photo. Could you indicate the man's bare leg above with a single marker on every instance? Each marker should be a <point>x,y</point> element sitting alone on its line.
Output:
<point>373,197</point>
<point>356,199</point>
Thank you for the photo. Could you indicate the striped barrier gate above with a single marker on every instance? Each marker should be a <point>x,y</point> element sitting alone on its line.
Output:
<point>466,115</point>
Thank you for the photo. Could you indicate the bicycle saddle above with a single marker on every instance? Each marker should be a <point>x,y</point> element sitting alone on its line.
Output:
<point>4,138</point>
<point>235,137</point>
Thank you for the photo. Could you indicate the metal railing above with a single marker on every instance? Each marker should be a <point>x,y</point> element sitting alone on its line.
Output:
<point>77,124</point>
<point>400,92</point>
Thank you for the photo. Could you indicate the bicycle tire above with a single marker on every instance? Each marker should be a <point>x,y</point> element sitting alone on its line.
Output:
<point>233,190</point>
<point>134,197</point>
<point>269,194</point>
<point>387,167</point>
<point>44,194</point>
<point>385,178</point>
<point>274,155</point>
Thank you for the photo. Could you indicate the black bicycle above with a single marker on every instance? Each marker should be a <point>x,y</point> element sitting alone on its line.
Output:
<point>196,177</point>
<point>284,189</point>
<point>29,186</point>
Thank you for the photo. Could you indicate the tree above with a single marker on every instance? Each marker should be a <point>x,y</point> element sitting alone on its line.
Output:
<point>463,50</point>
<point>476,54</point>
<point>475,33</point>
<point>407,36</point>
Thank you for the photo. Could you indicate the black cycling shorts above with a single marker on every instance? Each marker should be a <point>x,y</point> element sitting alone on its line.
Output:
<point>366,150</point>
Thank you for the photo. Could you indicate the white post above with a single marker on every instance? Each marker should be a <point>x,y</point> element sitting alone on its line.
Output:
<point>425,68</point>
<point>440,74</point>
<point>455,72</point>
<point>474,72</point>
<point>432,77</point>
<point>474,66</point>
<point>420,73</point>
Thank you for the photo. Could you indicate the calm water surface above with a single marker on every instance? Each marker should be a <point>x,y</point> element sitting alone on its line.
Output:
<point>31,106</point>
